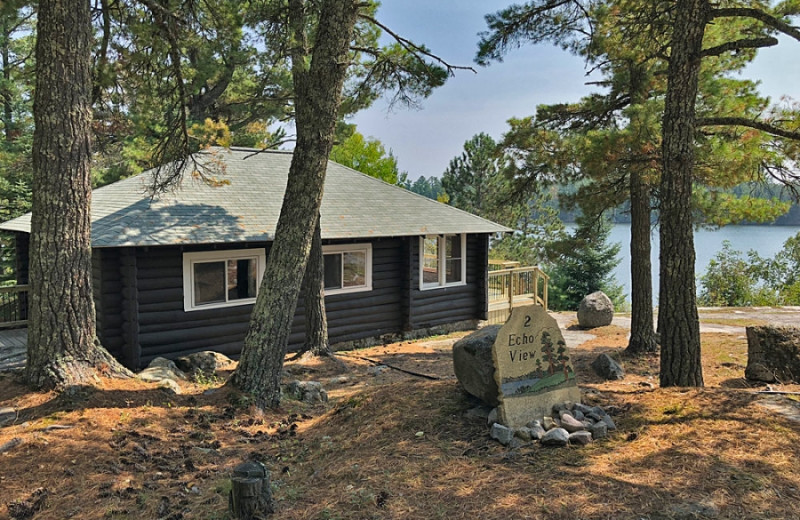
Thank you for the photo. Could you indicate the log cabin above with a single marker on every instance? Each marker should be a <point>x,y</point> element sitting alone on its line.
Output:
<point>179,273</point>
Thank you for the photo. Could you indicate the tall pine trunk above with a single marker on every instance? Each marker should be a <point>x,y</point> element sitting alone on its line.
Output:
<point>678,320</point>
<point>318,89</point>
<point>314,299</point>
<point>62,342</point>
<point>643,337</point>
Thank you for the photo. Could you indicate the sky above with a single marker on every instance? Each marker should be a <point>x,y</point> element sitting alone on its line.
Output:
<point>425,140</point>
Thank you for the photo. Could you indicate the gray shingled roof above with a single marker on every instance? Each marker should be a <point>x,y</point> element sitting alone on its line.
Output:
<point>246,210</point>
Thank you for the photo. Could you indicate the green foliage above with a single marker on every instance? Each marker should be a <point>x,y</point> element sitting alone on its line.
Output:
<point>481,181</point>
<point>729,280</point>
<point>471,178</point>
<point>430,187</point>
<point>734,281</point>
<point>582,264</point>
<point>368,156</point>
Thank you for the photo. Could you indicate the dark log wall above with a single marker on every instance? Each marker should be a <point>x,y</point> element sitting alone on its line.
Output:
<point>165,329</point>
<point>364,314</point>
<point>442,305</point>
<point>139,300</point>
<point>107,289</point>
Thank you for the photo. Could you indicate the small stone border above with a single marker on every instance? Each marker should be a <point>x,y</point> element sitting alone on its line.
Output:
<point>573,424</point>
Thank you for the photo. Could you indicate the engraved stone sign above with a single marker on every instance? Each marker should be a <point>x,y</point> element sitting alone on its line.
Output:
<point>532,367</point>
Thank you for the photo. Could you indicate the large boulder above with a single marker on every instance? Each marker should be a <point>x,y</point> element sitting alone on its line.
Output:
<point>474,365</point>
<point>773,354</point>
<point>595,310</point>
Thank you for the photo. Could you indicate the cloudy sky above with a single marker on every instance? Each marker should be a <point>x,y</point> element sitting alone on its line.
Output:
<point>425,140</point>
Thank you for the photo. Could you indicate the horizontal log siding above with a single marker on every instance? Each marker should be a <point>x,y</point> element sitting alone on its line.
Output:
<point>444,305</point>
<point>107,289</point>
<point>165,329</point>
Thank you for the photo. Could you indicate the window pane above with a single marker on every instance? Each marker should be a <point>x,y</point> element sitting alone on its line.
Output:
<point>241,279</point>
<point>333,271</point>
<point>453,259</point>
<point>209,282</point>
<point>430,261</point>
<point>453,271</point>
<point>355,269</point>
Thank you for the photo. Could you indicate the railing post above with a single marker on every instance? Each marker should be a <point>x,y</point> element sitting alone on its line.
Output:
<point>510,292</point>
<point>545,294</point>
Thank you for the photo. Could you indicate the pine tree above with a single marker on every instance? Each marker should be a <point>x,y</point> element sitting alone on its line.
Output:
<point>584,264</point>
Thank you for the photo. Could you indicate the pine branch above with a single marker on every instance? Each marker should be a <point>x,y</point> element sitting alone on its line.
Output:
<point>757,14</point>
<point>416,50</point>
<point>746,43</point>
<point>750,123</point>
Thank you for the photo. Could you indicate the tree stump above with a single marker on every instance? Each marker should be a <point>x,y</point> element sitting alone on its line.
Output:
<point>251,496</point>
<point>773,354</point>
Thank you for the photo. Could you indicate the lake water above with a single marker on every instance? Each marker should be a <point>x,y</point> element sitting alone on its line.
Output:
<point>766,240</point>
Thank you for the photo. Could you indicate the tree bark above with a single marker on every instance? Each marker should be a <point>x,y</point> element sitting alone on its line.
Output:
<point>62,342</point>
<point>678,320</point>
<point>314,299</point>
<point>318,90</point>
<point>643,337</point>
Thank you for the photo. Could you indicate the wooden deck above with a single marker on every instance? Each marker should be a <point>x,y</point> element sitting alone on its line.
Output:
<point>13,346</point>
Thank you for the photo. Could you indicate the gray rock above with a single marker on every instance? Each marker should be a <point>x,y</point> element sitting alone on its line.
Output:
<point>595,310</point>
<point>501,434</point>
<point>594,416</point>
<point>605,366</point>
<point>690,511</point>
<point>598,430</point>
<point>548,423</point>
<point>583,408</point>
<point>578,415</point>
<point>773,354</point>
<point>340,380</point>
<point>479,412</point>
<point>559,407</point>
<point>170,385</point>
<point>474,366</point>
<point>536,429</point>
<point>556,437</point>
<point>515,443</point>
<point>206,362</point>
<point>161,369</point>
<point>580,438</point>
<point>571,424</point>
<point>609,422</point>
<point>377,370</point>
<point>7,416</point>
<point>523,433</point>
<point>307,391</point>
<point>492,418</point>
<point>537,432</point>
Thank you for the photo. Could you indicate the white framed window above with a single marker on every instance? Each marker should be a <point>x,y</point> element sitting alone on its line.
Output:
<point>348,268</point>
<point>213,279</point>
<point>443,261</point>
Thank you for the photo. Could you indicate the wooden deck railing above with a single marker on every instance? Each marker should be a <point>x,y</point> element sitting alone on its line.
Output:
<point>509,288</point>
<point>13,306</point>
